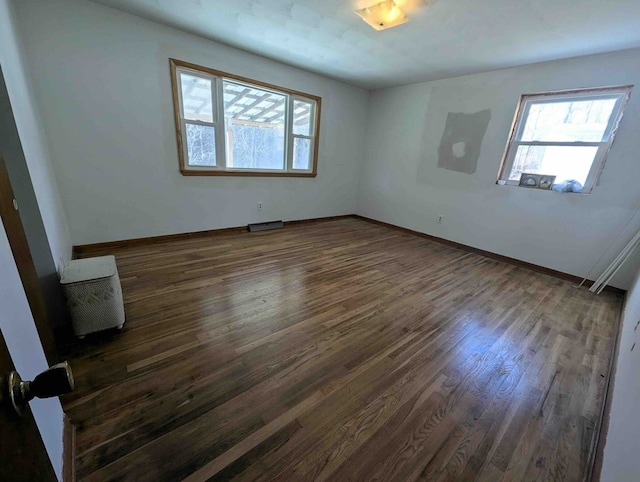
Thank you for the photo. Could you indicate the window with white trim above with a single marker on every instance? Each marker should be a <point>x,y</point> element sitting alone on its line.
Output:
<point>564,136</point>
<point>229,125</point>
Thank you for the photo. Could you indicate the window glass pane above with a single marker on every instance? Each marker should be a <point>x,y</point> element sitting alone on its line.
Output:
<point>201,145</point>
<point>255,122</point>
<point>301,153</point>
<point>571,121</point>
<point>255,147</point>
<point>302,114</point>
<point>196,98</point>
<point>564,162</point>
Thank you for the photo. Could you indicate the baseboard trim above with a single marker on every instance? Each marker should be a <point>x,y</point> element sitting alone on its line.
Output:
<point>69,451</point>
<point>83,248</point>
<point>517,262</point>
<point>87,248</point>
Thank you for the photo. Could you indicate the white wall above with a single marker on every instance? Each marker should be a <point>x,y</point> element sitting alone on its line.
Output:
<point>34,144</point>
<point>19,331</point>
<point>102,82</point>
<point>621,461</point>
<point>402,184</point>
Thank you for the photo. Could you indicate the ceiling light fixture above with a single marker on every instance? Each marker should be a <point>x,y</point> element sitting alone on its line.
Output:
<point>383,15</point>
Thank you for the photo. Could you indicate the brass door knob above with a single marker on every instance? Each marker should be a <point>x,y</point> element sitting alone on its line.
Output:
<point>53,382</point>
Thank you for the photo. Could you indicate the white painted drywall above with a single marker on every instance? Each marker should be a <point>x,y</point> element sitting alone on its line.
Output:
<point>19,331</point>
<point>401,183</point>
<point>32,137</point>
<point>621,462</point>
<point>102,83</point>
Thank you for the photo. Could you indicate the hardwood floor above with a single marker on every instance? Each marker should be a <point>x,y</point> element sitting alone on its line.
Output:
<point>337,351</point>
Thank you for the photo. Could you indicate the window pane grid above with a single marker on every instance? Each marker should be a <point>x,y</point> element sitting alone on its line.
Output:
<point>200,144</point>
<point>255,123</point>
<point>303,113</point>
<point>564,162</point>
<point>256,128</point>
<point>301,153</point>
<point>567,136</point>
<point>197,94</point>
<point>253,104</point>
<point>571,120</point>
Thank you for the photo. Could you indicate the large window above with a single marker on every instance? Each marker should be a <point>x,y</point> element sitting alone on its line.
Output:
<point>228,125</point>
<point>563,137</point>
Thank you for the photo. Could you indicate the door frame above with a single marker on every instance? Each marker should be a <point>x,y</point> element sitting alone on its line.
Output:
<point>9,214</point>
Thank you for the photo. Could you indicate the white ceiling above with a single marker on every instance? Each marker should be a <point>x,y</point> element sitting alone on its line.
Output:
<point>444,38</point>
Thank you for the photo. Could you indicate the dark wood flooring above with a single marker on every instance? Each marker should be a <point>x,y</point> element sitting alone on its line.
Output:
<point>340,350</point>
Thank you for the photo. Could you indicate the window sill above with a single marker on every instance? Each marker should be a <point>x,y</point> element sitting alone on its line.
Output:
<point>242,173</point>
<point>508,184</point>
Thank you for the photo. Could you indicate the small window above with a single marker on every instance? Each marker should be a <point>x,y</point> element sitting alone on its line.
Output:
<point>228,125</point>
<point>562,138</point>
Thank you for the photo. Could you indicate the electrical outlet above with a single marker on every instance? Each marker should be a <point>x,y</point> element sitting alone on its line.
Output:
<point>440,219</point>
<point>259,207</point>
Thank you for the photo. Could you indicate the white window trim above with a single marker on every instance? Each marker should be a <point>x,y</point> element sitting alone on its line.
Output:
<point>620,93</point>
<point>291,137</point>
<point>217,78</point>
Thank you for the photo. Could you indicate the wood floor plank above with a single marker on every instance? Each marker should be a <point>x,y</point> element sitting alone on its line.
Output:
<point>340,350</point>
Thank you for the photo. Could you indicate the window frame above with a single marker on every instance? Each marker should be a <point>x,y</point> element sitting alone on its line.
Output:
<point>217,77</point>
<point>622,95</point>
